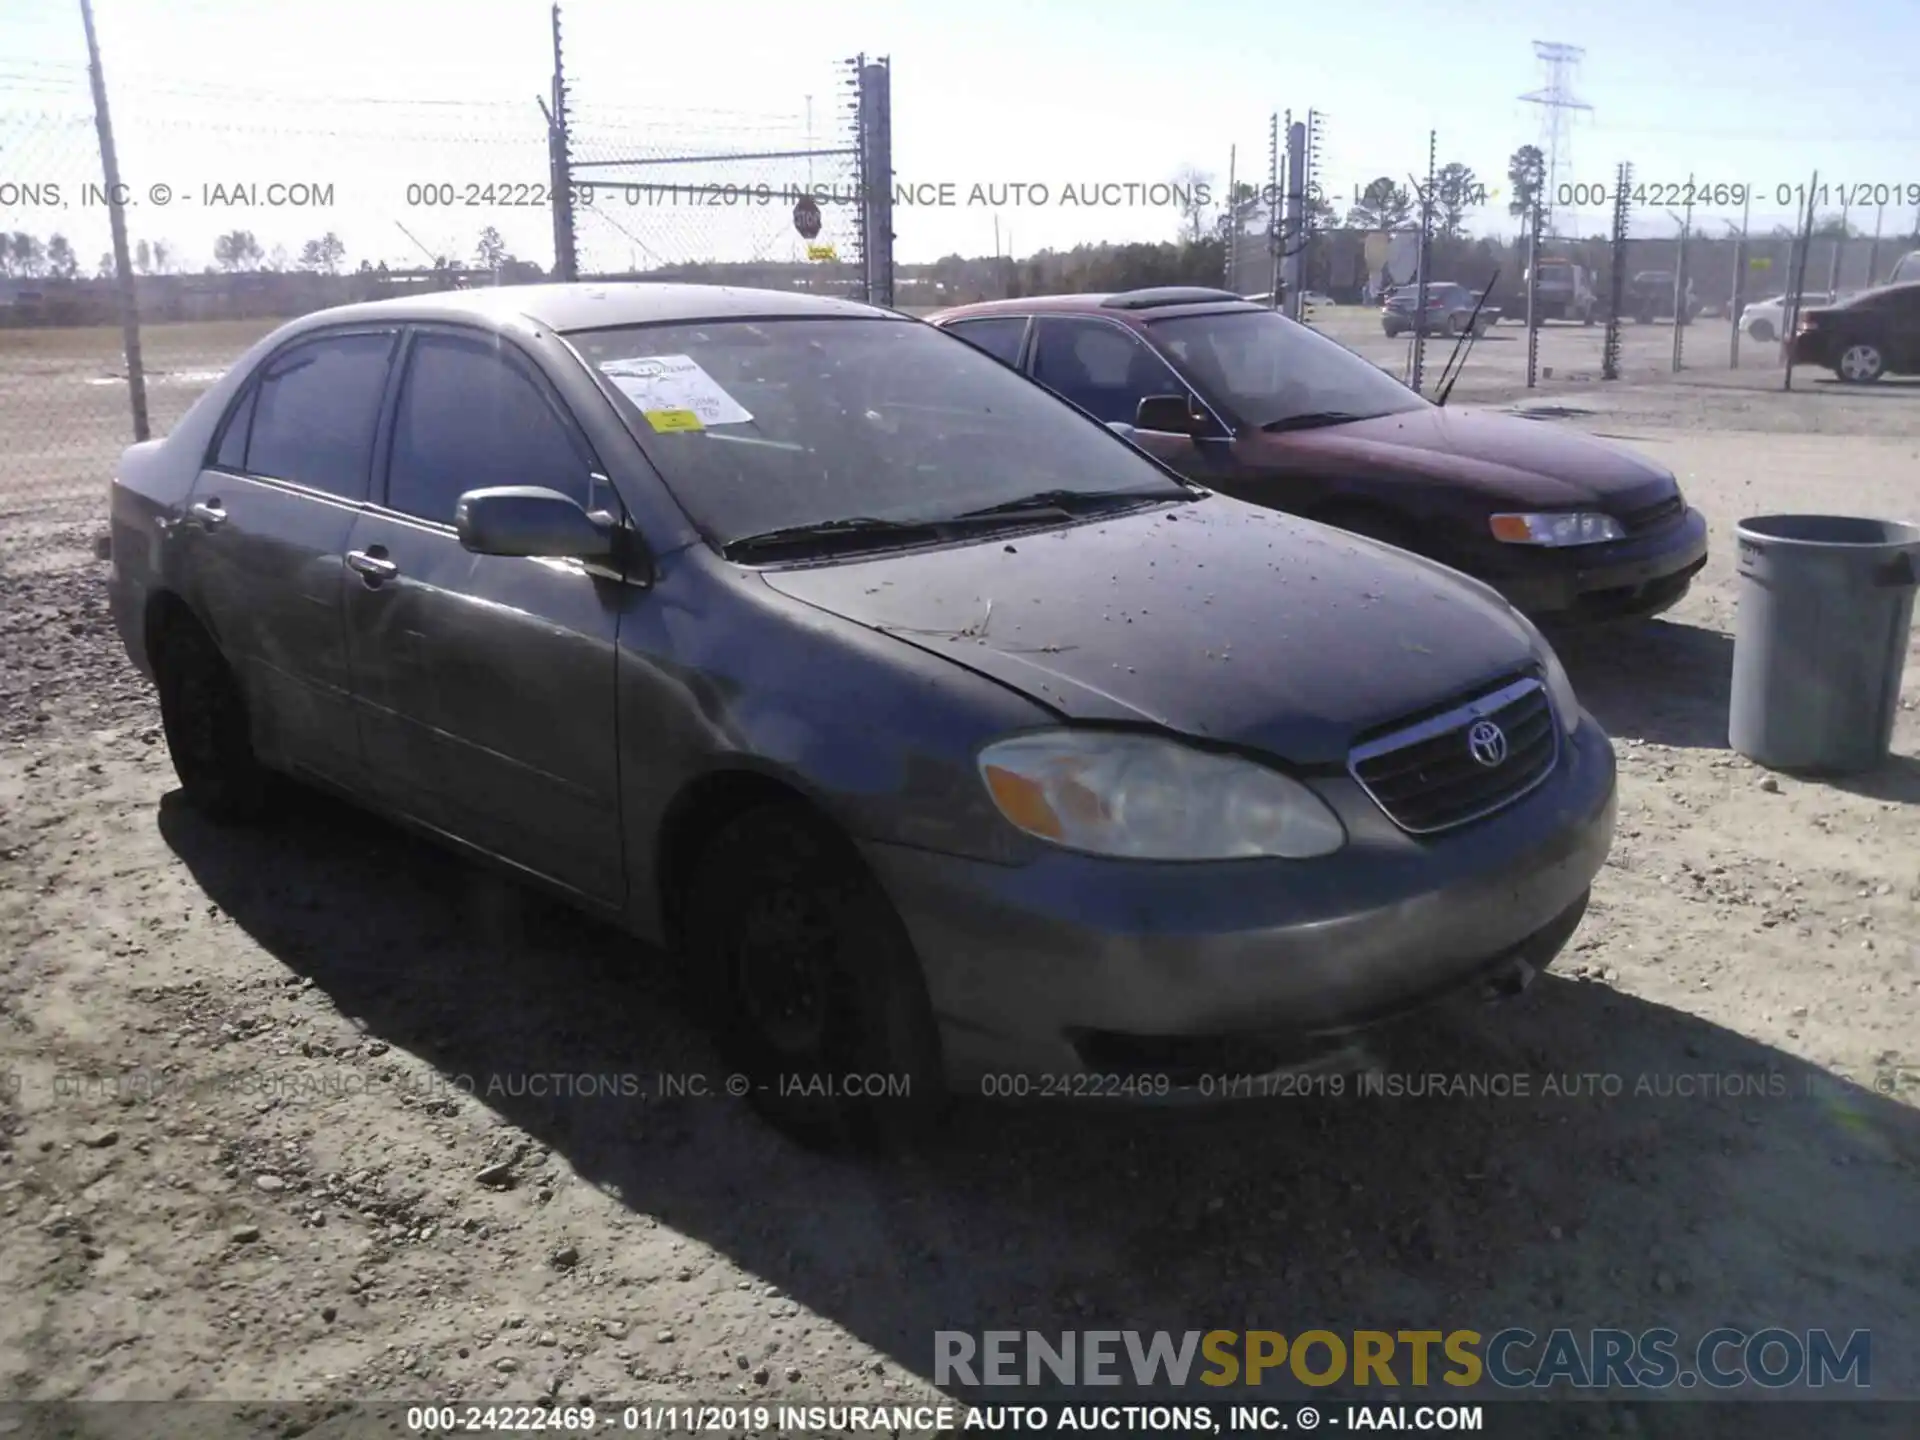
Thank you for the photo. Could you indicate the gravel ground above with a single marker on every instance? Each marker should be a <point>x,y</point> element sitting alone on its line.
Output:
<point>310,1114</point>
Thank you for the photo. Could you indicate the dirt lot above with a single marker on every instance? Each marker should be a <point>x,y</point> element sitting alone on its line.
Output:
<point>317,1112</point>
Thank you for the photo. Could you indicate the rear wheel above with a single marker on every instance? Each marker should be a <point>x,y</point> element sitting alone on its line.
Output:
<point>1455,324</point>
<point>209,733</point>
<point>1860,364</point>
<point>809,980</point>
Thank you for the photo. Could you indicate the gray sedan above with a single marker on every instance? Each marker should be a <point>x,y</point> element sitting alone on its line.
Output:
<point>949,741</point>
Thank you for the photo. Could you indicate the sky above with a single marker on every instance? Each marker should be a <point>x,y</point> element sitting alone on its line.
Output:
<point>388,124</point>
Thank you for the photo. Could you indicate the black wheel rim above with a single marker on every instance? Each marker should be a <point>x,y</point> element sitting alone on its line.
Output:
<point>194,727</point>
<point>782,964</point>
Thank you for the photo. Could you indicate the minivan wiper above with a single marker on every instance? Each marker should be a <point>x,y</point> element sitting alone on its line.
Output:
<point>1068,503</point>
<point>1312,420</point>
<point>850,527</point>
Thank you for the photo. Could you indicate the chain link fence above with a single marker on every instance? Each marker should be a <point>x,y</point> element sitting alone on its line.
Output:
<point>789,201</point>
<point>1633,284</point>
<point>246,208</point>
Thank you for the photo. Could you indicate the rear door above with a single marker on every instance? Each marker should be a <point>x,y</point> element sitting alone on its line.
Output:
<point>1002,336</point>
<point>486,684</point>
<point>266,536</point>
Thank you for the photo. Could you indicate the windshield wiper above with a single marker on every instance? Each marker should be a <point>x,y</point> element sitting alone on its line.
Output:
<point>851,527</point>
<point>1313,420</point>
<point>1067,503</point>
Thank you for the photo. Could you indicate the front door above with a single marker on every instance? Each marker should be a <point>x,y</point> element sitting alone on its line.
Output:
<point>1107,371</point>
<point>486,684</point>
<point>267,525</point>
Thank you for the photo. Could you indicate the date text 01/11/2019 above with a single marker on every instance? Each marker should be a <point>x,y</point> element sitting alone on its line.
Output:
<point>1678,194</point>
<point>1135,1419</point>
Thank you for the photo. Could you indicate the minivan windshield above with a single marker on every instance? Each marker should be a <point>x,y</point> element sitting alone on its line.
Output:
<point>766,425</point>
<point>1270,371</point>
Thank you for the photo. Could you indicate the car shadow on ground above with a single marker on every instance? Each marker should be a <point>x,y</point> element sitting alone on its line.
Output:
<point>1673,1179</point>
<point>1687,707</point>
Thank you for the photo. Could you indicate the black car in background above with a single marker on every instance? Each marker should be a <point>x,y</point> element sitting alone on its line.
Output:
<point>1874,333</point>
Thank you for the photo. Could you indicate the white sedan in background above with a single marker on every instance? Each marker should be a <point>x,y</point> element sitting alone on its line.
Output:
<point>1766,320</point>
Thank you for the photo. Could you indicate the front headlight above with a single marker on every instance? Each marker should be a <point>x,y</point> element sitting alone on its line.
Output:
<point>1556,530</point>
<point>1139,797</point>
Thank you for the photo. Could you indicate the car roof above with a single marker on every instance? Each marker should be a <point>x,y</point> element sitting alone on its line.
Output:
<point>592,306</point>
<point>1159,300</point>
<point>1905,287</point>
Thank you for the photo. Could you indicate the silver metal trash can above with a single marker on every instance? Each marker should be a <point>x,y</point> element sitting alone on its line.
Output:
<point>1826,603</point>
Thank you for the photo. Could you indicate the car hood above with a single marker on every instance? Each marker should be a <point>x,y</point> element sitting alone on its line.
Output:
<point>1513,460</point>
<point>1215,619</point>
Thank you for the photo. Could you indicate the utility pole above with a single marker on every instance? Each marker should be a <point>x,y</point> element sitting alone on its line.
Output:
<point>117,221</point>
<point>1558,105</point>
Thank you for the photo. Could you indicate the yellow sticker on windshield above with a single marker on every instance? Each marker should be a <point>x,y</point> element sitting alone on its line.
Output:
<point>668,422</point>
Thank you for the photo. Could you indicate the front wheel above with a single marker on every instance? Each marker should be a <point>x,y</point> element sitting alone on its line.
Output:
<point>1860,364</point>
<point>799,962</point>
<point>1761,331</point>
<point>203,713</point>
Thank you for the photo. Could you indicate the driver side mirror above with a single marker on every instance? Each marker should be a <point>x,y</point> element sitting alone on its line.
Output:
<point>530,521</point>
<point>1170,415</point>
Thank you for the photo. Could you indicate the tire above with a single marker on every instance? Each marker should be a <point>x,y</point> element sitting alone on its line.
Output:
<point>203,712</point>
<point>799,964</point>
<point>1860,363</point>
<point>1760,331</point>
<point>1454,326</point>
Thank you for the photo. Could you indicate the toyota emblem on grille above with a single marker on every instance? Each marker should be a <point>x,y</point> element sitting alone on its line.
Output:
<point>1487,743</point>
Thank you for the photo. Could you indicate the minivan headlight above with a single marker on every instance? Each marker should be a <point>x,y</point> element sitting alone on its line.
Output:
<point>1141,797</point>
<point>1556,530</point>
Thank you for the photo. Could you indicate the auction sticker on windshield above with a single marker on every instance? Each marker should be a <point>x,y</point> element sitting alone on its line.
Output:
<point>674,393</point>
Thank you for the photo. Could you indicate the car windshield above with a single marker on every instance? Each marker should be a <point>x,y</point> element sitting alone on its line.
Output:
<point>766,425</point>
<point>1268,370</point>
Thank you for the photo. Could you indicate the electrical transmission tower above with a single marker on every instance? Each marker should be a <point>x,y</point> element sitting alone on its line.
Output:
<point>1558,104</point>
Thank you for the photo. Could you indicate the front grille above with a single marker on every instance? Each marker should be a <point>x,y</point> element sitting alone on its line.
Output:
<point>1464,763</point>
<point>1652,517</point>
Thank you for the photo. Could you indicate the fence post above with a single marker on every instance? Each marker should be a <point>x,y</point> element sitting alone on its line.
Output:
<point>876,169</point>
<point>1610,349</point>
<point>1682,285</point>
<point>1426,238</point>
<point>1790,316</point>
<point>1737,303</point>
<point>1535,222</point>
<point>566,259</point>
<point>1276,230</point>
<point>1295,225</point>
<point>117,221</point>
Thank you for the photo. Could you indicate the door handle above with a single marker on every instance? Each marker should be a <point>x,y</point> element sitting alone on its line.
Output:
<point>208,513</point>
<point>372,565</point>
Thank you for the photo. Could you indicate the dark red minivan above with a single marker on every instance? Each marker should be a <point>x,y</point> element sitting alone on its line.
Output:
<point>1237,397</point>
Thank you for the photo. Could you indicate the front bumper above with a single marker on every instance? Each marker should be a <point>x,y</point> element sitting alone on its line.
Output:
<point>1058,967</point>
<point>1622,580</point>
